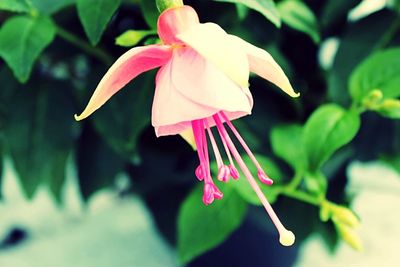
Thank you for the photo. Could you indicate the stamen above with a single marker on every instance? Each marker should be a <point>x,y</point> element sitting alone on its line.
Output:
<point>210,191</point>
<point>199,172</point>
<point>286,237</point>
<point>260,173</point>
<point>223,171</point>
<point>232,169</point>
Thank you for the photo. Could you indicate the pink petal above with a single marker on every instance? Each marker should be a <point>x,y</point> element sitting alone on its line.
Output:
<point>134,62</point>
<point>262,63</point>
<point>171,109</point>
<point>213,43</point>
<point>199,80</point>
<point>189,88</point>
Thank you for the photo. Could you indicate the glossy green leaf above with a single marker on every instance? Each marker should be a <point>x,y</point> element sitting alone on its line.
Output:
<point>243,187</point>
<point>15,5</point>
<point>266,7</point>
<point>132,37</point>
<point>201,228</point>
<point>286,144</point>
<point>39,134</point>
<point>299,16</point>
<point>150,13</point>
<point>22,39</point>
<point>95,15</point>
<point>50,6</point>
<point>378,71</point>
<point>328,128</point>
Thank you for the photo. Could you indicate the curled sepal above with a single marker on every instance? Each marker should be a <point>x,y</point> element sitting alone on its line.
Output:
<point>134,62</point>
<point>263,64</point>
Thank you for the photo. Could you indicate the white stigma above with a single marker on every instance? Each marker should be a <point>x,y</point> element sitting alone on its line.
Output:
<point>286,238</point>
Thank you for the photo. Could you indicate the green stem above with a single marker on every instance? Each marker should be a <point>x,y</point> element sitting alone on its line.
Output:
<point>86,47</point>
<point>302,196</point>
<point>294,183</point>
<point>165,4</point>
<point>388,36</point>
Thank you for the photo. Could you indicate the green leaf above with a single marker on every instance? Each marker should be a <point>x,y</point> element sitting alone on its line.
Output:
<point>132,37</point>
<point>97,163</point>
<point>378,71</point>
<point>242,11</point>
<point>355,45</point>
<point>40,133</point>
<point>15,5</point>
<point>245,190</point>
<point>95,15</point>
<point>22,39</point>
<point>150,13</point>
<point>266,7</point>
<point>328,128</point>
<point>286,144</point>
<point>49,7</point>
<point>123,118</point>
<point>299,16</point>
<point>201,228</point>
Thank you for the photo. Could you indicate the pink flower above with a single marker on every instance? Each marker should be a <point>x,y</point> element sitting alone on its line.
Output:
<point>202,82</point>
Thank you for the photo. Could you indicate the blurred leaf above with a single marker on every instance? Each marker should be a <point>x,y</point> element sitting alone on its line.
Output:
<point>327,129</point>
<point>49,7</point>
<point>393,161</point>
<point>201,228</point>
<point>123,118</point>
<point>299,16</point>
<point>15,5</point>
<point>316,182</point>
<point>132,37</point>
<point>244,189</point>
<point>22,39</point>
<point>355,45</point>
<point>95,15</point>
<point>242,11</point>
<point>286,144</point>
<point>336,10</point>
<point>378,71</point>
<point>266,7</point>
<point>150,13</point>
<point>349,235</point>
<point>39,134</point>
<point>97,163</point>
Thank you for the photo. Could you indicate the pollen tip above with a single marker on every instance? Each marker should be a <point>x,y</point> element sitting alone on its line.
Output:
<point>264,178</point>
<point>287,238</point>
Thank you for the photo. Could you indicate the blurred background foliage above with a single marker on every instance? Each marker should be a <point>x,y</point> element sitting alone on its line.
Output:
<point>345,65</point>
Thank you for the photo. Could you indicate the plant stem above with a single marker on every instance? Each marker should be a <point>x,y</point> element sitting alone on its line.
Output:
<point>302,196</point>
<point>86,47</point>
<point>389,34</point>
<point>296,180</point>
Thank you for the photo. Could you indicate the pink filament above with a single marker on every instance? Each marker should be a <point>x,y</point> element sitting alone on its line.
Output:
<point>224,135</point>
<point>261,174</point>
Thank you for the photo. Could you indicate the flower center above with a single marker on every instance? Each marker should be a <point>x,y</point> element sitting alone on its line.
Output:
<point>210,192</point>
<point>174,21</point>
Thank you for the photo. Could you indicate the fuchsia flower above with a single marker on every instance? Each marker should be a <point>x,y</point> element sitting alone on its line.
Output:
<point>202,82</point>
